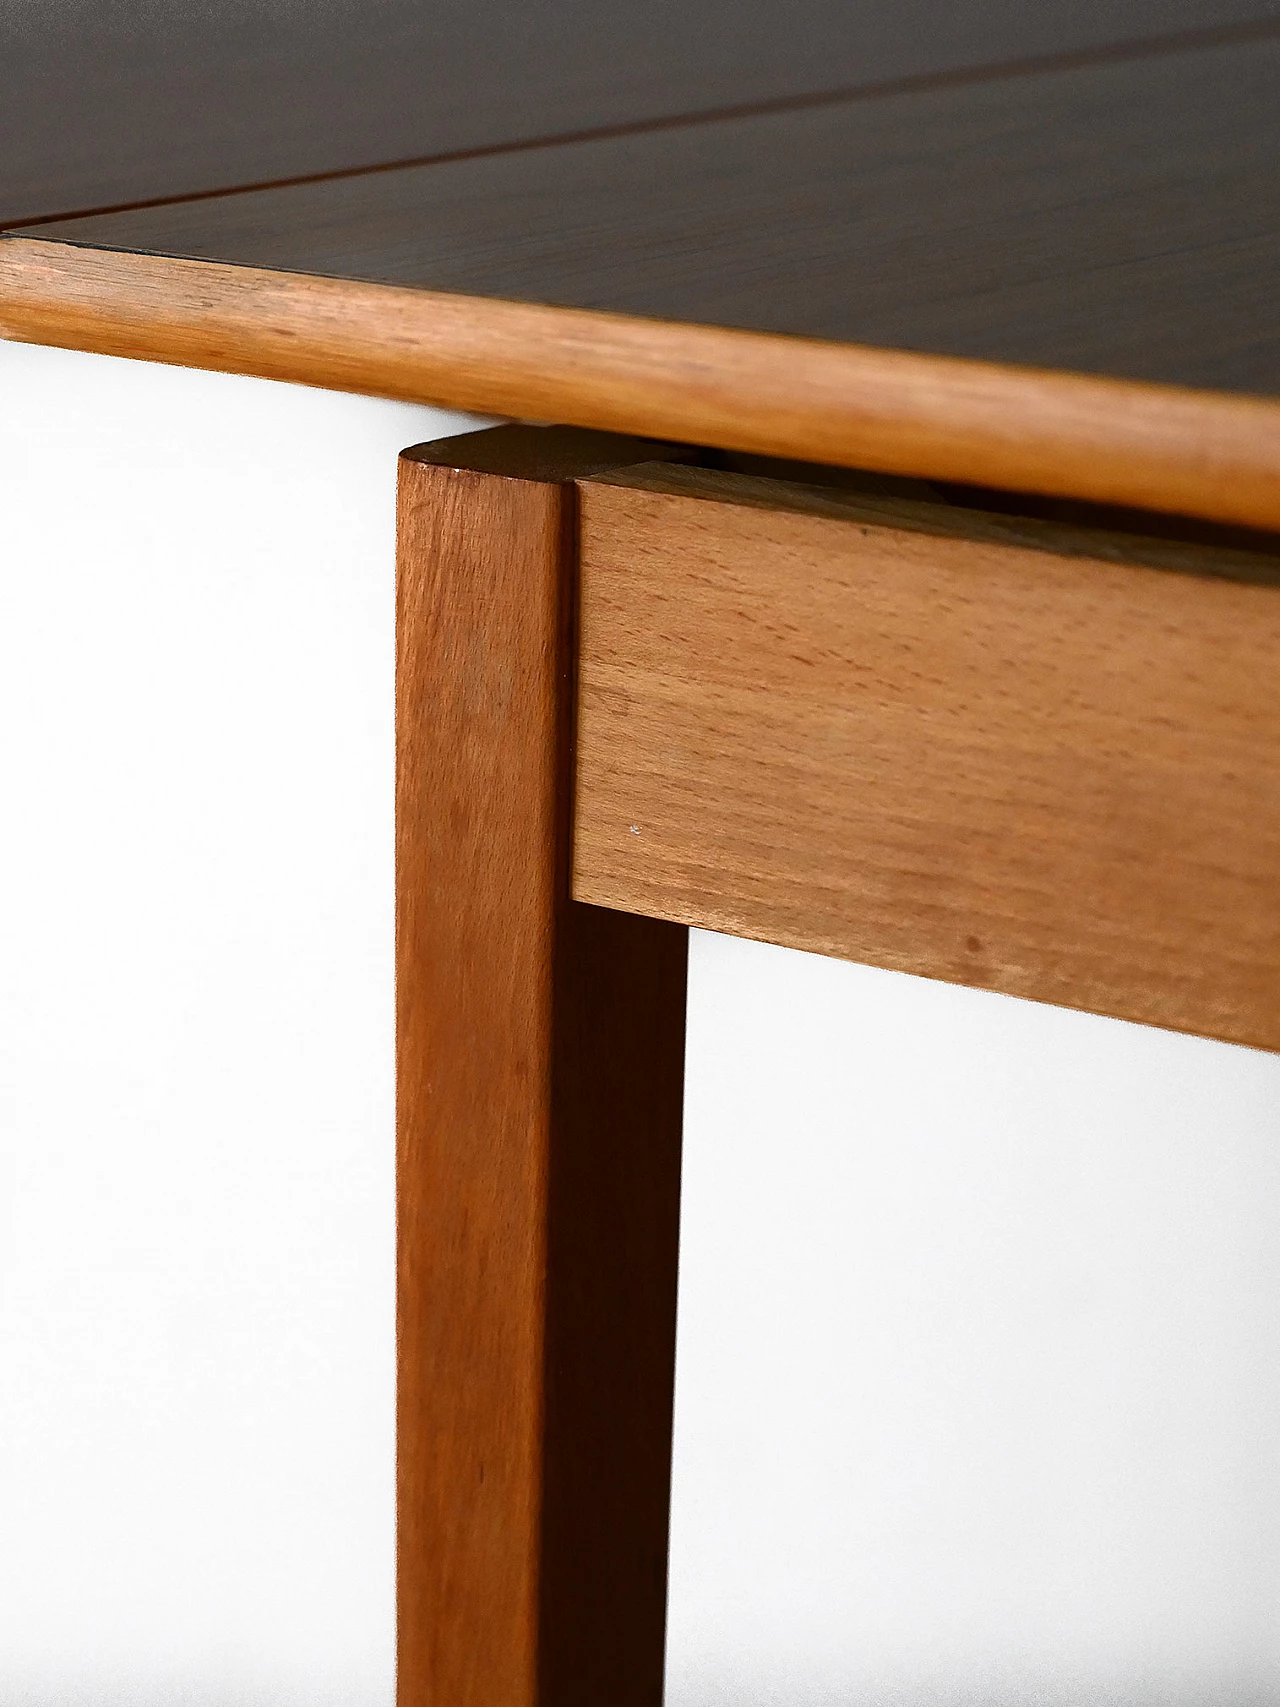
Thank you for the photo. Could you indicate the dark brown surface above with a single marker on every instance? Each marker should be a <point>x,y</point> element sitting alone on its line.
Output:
<point>1120,218</point>
<point>540,1052</point>
<point>104,102</point>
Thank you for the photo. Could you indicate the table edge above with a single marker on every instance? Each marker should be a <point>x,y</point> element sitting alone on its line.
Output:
<point>1208,454</point>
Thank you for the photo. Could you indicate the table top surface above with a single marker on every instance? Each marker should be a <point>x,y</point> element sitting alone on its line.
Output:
<point>1083,186</point>
<point>1071,185</point>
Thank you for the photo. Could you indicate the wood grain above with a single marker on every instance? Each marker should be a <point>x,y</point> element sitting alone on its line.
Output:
<point>104,102</point>
<point>1107,441</point>
<point>1120,218</point>
<point>972,757</point>
<point>540,1048</point>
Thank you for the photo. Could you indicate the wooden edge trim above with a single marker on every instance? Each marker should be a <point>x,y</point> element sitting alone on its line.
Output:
<point>1199,453</point>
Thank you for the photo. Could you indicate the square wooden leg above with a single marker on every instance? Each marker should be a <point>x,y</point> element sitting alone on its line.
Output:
<point>540,1056</point>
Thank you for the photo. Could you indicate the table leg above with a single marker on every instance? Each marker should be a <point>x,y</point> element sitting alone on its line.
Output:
<point>540,1056</point>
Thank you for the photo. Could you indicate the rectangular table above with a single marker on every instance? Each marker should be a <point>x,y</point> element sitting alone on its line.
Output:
<point>900,583</point>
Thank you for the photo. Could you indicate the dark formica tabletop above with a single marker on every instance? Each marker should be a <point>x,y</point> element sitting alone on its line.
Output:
<point>1069,184</point>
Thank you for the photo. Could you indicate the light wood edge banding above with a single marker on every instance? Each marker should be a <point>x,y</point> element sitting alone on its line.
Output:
<point>1200,453</point>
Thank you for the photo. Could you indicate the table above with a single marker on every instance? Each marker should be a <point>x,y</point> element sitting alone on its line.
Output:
<point>899,581</point>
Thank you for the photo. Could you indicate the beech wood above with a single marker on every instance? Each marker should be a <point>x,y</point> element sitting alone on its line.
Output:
<point>540,1048</point>
<point>985,750</point>
<point>1107,441</point>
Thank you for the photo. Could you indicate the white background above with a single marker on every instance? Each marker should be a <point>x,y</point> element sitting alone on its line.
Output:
<point>979,1358</point>
<point>978,1388</point>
